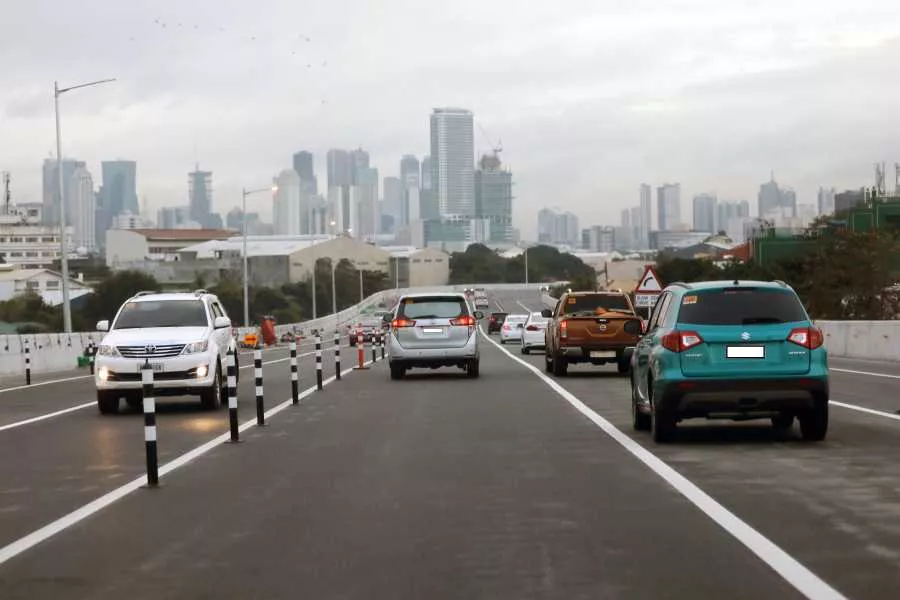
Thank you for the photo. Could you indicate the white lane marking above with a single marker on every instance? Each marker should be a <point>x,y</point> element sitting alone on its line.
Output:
<point>863,409</point>
<point>37,536</point>
<point>70,409</point>
<point>529,310</point>
<point>869,373</point>
<point>804,580</point>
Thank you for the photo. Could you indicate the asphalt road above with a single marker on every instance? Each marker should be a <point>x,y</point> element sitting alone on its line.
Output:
<point>513,486</point>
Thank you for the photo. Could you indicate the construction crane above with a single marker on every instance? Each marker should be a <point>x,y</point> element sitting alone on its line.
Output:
<point>496,148</point>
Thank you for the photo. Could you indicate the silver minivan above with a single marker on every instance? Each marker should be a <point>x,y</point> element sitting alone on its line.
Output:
<point>433,330</point>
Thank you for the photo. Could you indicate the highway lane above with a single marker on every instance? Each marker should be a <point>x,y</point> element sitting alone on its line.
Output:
<point>835,506</point>
<point>54,466</point>
<point>434,487</point>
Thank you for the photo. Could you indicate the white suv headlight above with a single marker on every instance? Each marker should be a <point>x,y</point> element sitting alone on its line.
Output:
<point>107,350</point>
<point>196,347</point>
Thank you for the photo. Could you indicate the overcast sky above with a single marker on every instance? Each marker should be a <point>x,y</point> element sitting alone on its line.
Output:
<point>589,97</point>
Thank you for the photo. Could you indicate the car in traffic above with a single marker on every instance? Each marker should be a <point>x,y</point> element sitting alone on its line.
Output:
<point>533,333</point>
<point>431,331</point>
<point>495,321</point>
<point>511,330</point>
<point>736,350</point>
<point>591,327</point>
<point>184,337</point>
<point>368,327</point>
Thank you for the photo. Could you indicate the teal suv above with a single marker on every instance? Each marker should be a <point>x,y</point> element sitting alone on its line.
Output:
<point>734,350</point>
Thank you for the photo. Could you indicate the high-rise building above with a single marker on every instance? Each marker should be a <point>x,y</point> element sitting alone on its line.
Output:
<point>84,207</point>
<point>493,198</point>
<point>636,228</point>
<point>286,204</point>
<point>175,217</point>
<point>452,161</point>
<point>602,238</point>
<point>705,213</point>
<point>425,182</point>
<point>120,187</point>
<point>393,205</point>
<point>546,225</point>
<point>848,199</point>
<point>825,201</point>
<point>668,199</point>
<point>625,217</point>
<point>646,210</point>
<point>339,168</point>
<point>365,203</point>
<point>359,160</point>
<point>776,203</point>
<point>51,198</point>
<point>303,165</point>
<point>409,171</point>
<point>730,218</point>
<point>200,196</point>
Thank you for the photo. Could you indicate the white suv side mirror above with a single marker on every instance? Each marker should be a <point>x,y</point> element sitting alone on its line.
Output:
<point>221,323</point>
<point>103,325</point>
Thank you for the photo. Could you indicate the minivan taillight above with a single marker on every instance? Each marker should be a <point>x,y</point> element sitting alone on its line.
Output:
<point>402,323</point>
<point>465,320</point>
<point>679,341</point>
<point>808,337</point>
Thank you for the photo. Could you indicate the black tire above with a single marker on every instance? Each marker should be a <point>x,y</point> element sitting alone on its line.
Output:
<point>108,402</point>
<point>662,422</point>
<point>135,402</point>
<point>639,420</point>
<point>560,366</point>
<point>211,397</point>
<point>548,362</point>
<point>397,371</point>
<point>473,368</point>
<point>783,422</point>
<point>524,350</point>
<point>623,366</point>
<point>814,422</point>
<point>502,342</point>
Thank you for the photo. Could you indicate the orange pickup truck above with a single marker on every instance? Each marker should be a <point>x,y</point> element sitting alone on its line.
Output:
<point>594,327</point>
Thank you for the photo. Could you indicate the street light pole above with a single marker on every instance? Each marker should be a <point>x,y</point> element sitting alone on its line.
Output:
<point>63,242</point>
<point>244,193</point>
<point>526,265</point>
<point>361,294</point>
<point>333,290</point>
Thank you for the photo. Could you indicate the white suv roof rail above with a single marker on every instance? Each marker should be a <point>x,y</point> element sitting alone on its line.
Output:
<point>144,293</point>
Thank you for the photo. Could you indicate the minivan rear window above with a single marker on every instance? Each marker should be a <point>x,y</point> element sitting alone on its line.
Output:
<point>432,307</point>
<point>740,306</point>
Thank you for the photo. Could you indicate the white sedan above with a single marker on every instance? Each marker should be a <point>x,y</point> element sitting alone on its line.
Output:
<point>512,328</point>
<point>533,332</point>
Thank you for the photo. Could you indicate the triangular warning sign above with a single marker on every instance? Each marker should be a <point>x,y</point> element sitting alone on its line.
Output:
<point>649,282</point>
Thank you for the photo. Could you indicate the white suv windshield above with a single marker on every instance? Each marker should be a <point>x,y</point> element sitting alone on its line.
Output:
<point>162,313</point>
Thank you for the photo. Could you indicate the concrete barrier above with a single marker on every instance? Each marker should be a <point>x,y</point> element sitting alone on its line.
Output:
<point>875,340</point>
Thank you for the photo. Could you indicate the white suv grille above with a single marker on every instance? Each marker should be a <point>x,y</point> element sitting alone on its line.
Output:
<point>151,350</point>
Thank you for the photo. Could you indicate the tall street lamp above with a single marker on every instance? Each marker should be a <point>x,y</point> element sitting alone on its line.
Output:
<point>244,193</point>
<point>333,285</point>
<point>63,246</point>
<point>525,252</point>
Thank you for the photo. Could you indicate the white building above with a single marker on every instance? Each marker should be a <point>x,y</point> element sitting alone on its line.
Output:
<point>414,267</point>
<point>25,243</point>
<point>84,206</point>
<point>129,220</point>
<point>136,248</point>
<point>44,282</point>
<point>286,206</point>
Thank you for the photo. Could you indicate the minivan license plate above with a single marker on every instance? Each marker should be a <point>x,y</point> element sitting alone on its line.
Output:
<point>432,330</point>
<point>745,352</point>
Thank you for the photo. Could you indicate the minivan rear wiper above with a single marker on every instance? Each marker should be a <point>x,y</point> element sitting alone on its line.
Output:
<point>760,320</point>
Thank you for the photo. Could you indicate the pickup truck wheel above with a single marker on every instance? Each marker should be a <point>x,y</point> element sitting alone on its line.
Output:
<point>108,402</point>
<point>560,366</point>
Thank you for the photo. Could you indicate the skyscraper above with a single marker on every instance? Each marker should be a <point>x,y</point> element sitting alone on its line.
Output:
<point>359,160</point>
<point>303,165</point>
<point>826,201</point>
<point>705,209</point>
<point>425,182</point>
<point>731,216</point>
<point>366,205</point>
<point>644,225</point>
<point>286,204</point>
<point>453,162</point>
<point>200,196</point>
<point>120,187</point>
<point>409,171</point>
<point>393,201</point>
<point>493,198</point>
<point>50,197</point>
<point>775,202</point>
<point>636,240</point>
<point>668,199</point>
<point>84,207</point>
<point>339,168</point>
<point>427,197</point>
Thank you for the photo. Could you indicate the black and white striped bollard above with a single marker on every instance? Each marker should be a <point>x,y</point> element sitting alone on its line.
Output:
<point>337,355</point>
<point>27,364</point>
<point>232,396</point>
<point>381,337</point>
<point>374,348</point>
<point>295,377</point>
<point>257,373</point>
<point>318,361</point>
<point>92,353</point>
<point>150,424</point>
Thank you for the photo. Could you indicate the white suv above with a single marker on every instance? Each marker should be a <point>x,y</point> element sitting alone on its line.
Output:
<point>185,337</point>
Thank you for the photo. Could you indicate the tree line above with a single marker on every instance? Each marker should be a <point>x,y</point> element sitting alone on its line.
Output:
<point>480,264</point>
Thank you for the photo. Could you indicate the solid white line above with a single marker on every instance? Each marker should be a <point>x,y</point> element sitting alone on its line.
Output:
<point>40,383</point>
<point>804,580</point>
<point>70,409</point>
<point>34,538</point>
<point>869,373</point>
<point>863,409</point>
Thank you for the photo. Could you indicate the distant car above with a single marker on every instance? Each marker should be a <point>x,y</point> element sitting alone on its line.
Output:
<point>369,327</point>
<point>431,331</point>
<point>184,337</point>
<point>533,332</point>
<point>511,331</point>
<point>730,350</point>
<point>495,321</point>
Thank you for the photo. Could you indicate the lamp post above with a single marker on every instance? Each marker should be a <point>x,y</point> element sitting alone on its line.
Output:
<point>63,245</point>
<point>333,285</point>
<point>525,252</point>
<point>244,193</point>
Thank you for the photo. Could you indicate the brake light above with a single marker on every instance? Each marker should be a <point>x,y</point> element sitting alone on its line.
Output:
<point>679,341</point>
<point>505,327</point>
<point>808,337</point>
<point>465,320</point>
<point>532,328</point>
<point>402,323</point>
<point>563,328</point>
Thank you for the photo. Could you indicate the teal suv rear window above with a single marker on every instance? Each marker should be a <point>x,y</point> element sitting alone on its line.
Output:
<point>740,306</point>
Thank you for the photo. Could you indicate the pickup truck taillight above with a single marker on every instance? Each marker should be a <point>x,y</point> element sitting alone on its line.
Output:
<point>563,329</point>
